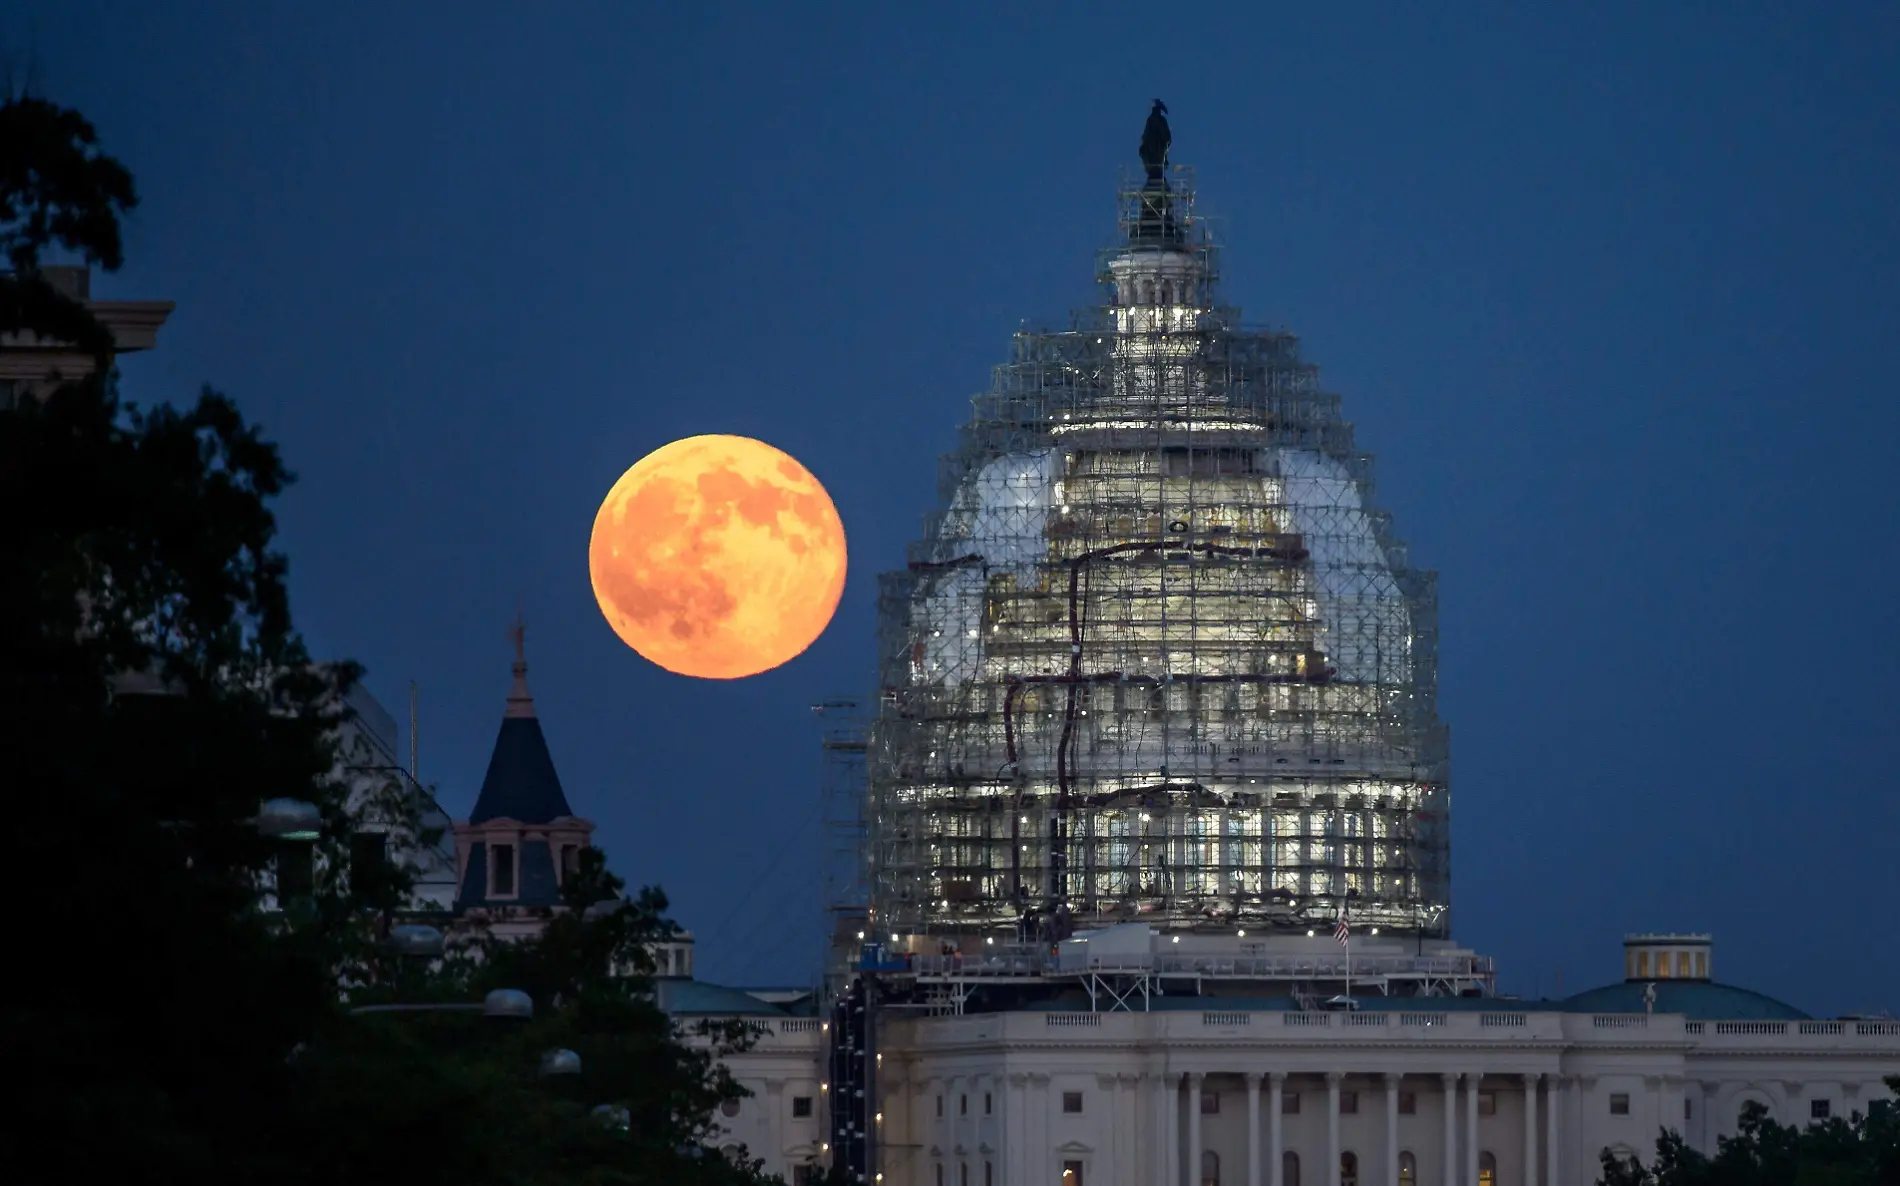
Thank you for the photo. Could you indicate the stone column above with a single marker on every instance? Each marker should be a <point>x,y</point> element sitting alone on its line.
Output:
<point>1392,1128</point>
<point>1172,1143</point>
<point>1530,1129</point>
<point>1039,1146</point>
<point>1194,1128</point>
<point>1276,1150</point>
<point>1253,1128</point>
<point>1158,1142</point>
<point>1015,1144</point>
<point>1553,1103</point>
<point>1451,1128</point>
<point>1471,1128</point>
<point>1332,1128</point>
<point>775,1125</point>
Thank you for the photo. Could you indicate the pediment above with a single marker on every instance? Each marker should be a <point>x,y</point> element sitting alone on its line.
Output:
<point>1075,1147</point>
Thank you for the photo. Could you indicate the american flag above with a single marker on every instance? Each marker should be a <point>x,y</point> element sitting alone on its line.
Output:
<point>1340,930</point>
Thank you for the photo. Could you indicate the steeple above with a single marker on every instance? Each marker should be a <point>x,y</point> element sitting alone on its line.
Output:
<point>522,839</point>
<point>521,784</point>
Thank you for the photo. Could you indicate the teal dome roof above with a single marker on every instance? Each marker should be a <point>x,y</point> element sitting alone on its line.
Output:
<point>1698,1000</point>
<point>698,998</point>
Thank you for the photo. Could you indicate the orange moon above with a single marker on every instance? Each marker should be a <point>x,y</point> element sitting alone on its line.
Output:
<point>718,557</point>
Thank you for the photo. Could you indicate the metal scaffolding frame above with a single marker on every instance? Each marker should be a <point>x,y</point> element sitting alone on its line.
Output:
<point>1157,656</point>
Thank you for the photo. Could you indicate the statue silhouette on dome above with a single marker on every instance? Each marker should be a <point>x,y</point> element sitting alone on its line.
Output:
<point>1155,140</point>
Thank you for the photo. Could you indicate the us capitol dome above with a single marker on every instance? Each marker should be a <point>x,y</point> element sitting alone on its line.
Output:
<point>1159,656</point>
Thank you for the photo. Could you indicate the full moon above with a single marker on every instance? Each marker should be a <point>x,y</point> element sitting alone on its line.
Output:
<point>717,557</point>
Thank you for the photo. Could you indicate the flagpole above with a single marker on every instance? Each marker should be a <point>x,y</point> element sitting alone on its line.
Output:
<point>1345,918</point>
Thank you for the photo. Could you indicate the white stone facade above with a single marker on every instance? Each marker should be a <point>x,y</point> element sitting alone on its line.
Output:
<point>1424,1099</point>
<point>1291,1098</point>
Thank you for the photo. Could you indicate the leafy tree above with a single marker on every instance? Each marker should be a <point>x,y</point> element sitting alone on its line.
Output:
<point>1860,1150</point>
<point>171,1027</point>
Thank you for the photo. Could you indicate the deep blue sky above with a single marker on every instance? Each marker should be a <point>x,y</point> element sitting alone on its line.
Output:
<point>1613,297</point>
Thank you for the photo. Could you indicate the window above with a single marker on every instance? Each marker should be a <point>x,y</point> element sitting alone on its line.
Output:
<point>1348,1103</point>
<point>940,1174</point>
<point>1348,1169</point>
<point>1642,964</point>
<point>296,873</point>
<point>939,1108</point>
<point>1210,1103</point>
<point>1682,963</point>
<point>570,860</point>
<point>1408,1103</point>
<point>1818,1109</point>
<point>1210,1168</point>
<point>1487,1170</point>
<point>1289,1168</point>
<point>1071,1173</point>
<point>1071,1103</point>
<point>1290,1104</point>
<point>1408,1170</point>
<point>963,1174</point>
<point>963,1104</point>
<point>986,1103</point>
<point>502,884</point>
<point>1701,964</point>
<point>801,1107</point>
<point>729,1107</point>
<point>368,852</point>
<point>989,1173</point>
<point>1688,1108</point>
<point>1619,1104</point>
<point>1487,1103</point>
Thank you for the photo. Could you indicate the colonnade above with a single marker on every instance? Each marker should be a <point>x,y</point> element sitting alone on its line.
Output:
<point>1460,1153</point>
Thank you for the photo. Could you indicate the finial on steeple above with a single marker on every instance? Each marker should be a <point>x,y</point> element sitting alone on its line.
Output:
<point>520,703</point>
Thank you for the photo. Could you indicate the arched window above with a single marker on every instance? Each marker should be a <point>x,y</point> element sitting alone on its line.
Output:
<point>1408,1170</point>
<point>1210,1168</point>
<point>1348,1169</point>
<point>1487,1170</point>
<point>1290,1168</point>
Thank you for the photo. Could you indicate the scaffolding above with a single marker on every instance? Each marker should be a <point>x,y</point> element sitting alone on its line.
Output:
<point>1157,656</point>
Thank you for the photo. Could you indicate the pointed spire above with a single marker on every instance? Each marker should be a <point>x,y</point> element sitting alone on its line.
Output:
<point>520,702</point>
<point>521,783</point>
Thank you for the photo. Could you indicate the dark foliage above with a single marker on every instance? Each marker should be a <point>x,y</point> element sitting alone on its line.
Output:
<point>165,1023</point>
<point>1860,1150</point>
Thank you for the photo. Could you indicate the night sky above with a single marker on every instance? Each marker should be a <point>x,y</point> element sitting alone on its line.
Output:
<point>1613,298</point>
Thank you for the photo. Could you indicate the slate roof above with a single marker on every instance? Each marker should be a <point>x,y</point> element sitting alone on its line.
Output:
<point>521,783</point>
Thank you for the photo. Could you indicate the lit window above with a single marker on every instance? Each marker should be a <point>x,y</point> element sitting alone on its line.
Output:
<point>1682,963</point>
<point>1072,1103</point>
<point>1210,1103</point>
<point>1487,1103</point>
<point>1408,1103</point>
<point>801,1106</point>
<point>1071,1173</point>
<point>1408,1170</point>
<point>1619,1104</point>
<point>1642,964</point>
<point>1348,1103</point>
<point>1818,1109</point>
<point>1701,965</point>
<point>1487,1170</point>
